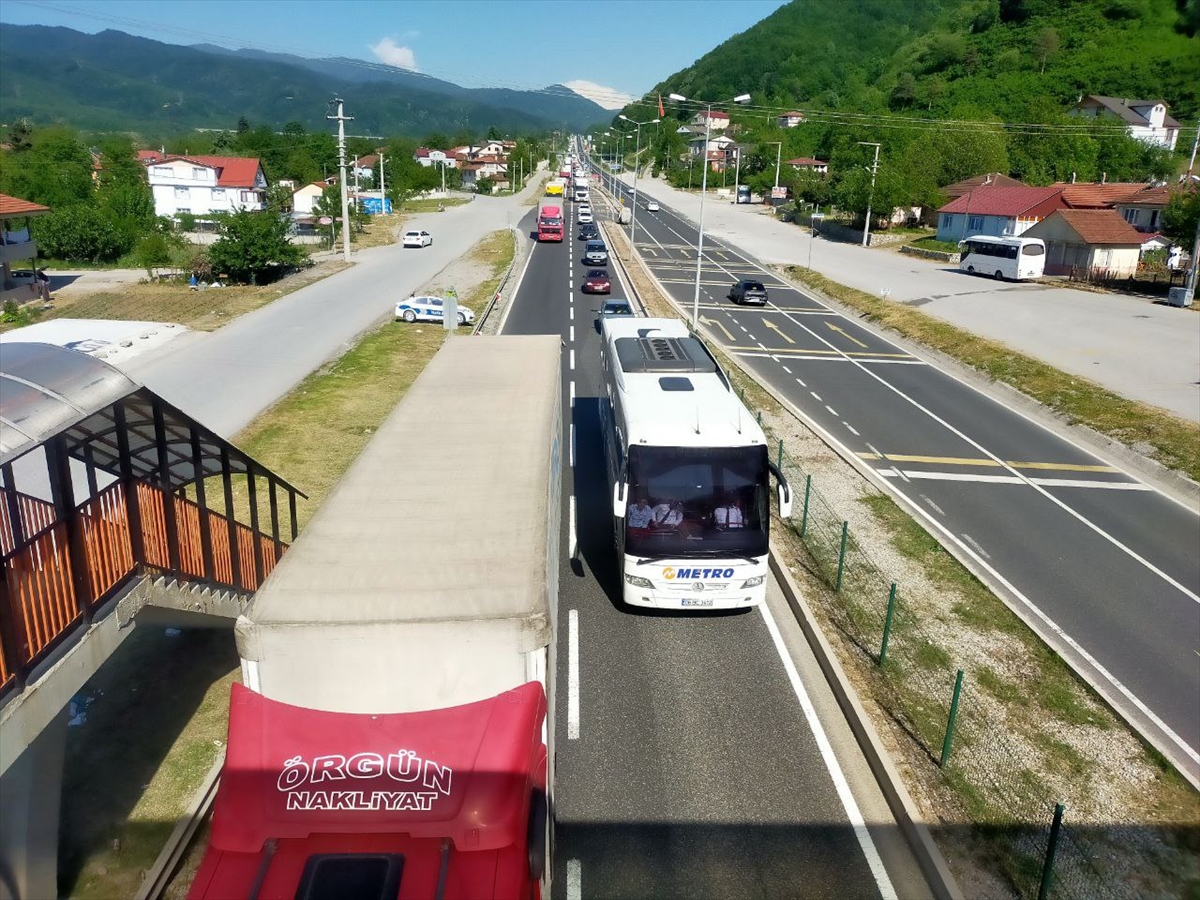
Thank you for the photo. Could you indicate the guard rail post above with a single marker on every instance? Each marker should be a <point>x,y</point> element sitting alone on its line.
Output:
<point>804,515</point>
<point>1051,850</point>
<point>837,588</point>
<point>887,625</point>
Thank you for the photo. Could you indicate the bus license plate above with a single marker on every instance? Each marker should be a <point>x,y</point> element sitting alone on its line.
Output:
<point>687,601</point>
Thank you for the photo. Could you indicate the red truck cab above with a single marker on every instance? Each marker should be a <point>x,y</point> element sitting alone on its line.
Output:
<point>446,803</point>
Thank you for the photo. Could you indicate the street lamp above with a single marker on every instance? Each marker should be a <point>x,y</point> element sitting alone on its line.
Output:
<point>740,98</point>
<point>871,195</point>
<point>636,165</point>
<point>778,158</point>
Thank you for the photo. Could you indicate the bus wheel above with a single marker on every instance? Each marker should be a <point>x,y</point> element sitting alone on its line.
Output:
<point>536,834</point>
<point>999,275</point>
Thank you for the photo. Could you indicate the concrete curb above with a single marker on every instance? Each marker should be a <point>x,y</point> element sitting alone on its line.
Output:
<point>933,865</point>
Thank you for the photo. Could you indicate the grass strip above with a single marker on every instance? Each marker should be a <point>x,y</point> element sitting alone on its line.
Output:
<point>1171,441</point>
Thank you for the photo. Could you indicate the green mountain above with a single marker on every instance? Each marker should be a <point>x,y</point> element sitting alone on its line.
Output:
<point>114,81</point>
<point>955,58</point>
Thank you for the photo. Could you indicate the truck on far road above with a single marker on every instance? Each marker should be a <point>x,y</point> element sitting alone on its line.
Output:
<point>396,723</point>
<point>550,221</point>
<point>555,187</point>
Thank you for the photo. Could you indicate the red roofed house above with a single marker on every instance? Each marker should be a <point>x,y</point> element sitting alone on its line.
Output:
<point>149,156</point>
<point>1096,243</point>
<point>18,283</point>
<point>717,120</point>
<point>997,211</point>
<point>807,162</point>
<point>202,185</point>
<point>1140,204</point>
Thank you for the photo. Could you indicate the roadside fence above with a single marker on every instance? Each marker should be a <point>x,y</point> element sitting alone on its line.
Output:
<point>495,297</point>
<point>1000,786</point>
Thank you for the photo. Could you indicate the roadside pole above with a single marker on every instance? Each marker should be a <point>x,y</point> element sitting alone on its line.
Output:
<point>343,177</point>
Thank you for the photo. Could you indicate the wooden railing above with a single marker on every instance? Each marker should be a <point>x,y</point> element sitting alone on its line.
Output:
<point>49,591</point>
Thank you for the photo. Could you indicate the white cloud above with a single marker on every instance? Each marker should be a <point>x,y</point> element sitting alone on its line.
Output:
<point>386,51</point>
<point>606,97</point>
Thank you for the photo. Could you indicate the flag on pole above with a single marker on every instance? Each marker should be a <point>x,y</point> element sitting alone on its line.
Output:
<point>661,112</point>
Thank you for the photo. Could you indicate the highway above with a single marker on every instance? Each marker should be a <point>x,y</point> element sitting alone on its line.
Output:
<point>1104,561</point>
<point>688,764</point>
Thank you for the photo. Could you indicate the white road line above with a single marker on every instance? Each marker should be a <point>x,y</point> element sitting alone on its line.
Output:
<point>513,297</point>
<point>753,338</point>
<point>572,395</point>
<point>1106,677</point>
<point>574,880</point>
<point>840,359</point>
<point>786,369</point>
<point>937,509</point>
<point>572,337</point>
<point>832,411</point>
<point>572,360</point>
<point>850,428</point>
<point>978,547</point>
<point>815,396</point>
<point>801,383</point>
<point>572,445</point>
<point>918,475</point>
<point>573,675</point>
<point>743,327</point>
<point>572,532</point>
<point>882,881</point>
<point>571,309</point>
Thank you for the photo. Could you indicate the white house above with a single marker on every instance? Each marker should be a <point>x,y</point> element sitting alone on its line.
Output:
<point>365,166</point>
<point>304,198</point>
<point>1096,241</point>
<point>789,119</point>
<point>807,162</point>
<point>720,144</point>
<point>1146,120</point>
<point>429,157</point>
<point>18,250</point>
<point>717,120</point>
<point>202,185</point>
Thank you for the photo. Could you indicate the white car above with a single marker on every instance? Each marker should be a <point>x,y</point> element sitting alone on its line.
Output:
<point>585,216</point>
<point>652,206</point>
<point>429,309</point>
<point>418,239</point>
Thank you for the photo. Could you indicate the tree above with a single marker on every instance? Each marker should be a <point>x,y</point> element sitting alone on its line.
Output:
<point>905,91</point>
<point>79,232</point>
<point>1046,46</point>
<point>252,245</point>
<point>243,125</point>
<point>484,185</point>
<point>152,251</point>
<point>1181,216</point>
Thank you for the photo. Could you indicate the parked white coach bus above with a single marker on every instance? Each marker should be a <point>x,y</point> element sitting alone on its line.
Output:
<point>1014,258</point>
<point>689,471</point>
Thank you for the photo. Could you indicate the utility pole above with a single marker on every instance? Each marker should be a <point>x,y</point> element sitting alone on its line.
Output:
<point>344,177</point>
<point>871,196</point>
<point>1195,145</point>
<point>382,189</point>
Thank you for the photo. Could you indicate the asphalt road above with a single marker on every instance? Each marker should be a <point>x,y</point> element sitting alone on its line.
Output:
<point>1097,555</point>
<point>686,767</point>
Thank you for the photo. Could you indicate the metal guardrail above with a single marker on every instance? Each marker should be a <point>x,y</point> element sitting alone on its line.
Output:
<point>482,320</point>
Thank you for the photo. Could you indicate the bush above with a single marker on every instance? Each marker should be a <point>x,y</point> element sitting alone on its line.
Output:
<point>82,233</point>
<point>151,251</point>
<point>253,244</point>
<point>185,221</point>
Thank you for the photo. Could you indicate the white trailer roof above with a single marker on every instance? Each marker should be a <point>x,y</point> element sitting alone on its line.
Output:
<point>435,541</point>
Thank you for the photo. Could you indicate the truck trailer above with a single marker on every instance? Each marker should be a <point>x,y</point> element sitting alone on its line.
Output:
<point>395,730</point>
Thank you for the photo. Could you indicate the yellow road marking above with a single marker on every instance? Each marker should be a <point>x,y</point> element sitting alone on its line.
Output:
<point>767,322</point>
<point>792,351</point>
<point>838,328</point>
<point>990,463</point>
<point>714,322</point>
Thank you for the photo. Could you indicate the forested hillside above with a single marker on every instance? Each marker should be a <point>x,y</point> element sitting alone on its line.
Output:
<point>949,89</point>
<point>114,81</point>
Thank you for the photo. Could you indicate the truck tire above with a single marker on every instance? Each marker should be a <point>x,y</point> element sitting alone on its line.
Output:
<point>536,834</point>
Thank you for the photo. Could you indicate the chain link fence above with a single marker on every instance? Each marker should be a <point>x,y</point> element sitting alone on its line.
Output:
<point>997,782</point>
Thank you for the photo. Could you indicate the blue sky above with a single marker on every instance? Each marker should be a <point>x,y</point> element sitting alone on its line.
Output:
<point>620,47</point>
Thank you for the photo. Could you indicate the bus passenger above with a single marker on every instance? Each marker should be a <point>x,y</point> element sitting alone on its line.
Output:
<point>641,515</point>
<point>729,517</point>
<point>668,515</point>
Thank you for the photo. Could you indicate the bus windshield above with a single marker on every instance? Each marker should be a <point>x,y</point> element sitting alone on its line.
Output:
<point>697,501</point>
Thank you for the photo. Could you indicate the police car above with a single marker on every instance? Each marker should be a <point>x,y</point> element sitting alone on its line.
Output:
<point>429,309</point>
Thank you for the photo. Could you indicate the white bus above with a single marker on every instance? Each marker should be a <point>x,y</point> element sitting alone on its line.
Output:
<point>689,471</point>
<point>1015,258</point>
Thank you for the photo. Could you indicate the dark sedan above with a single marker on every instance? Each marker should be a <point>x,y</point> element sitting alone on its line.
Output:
<point>596,282</point>
<point>588,232</point>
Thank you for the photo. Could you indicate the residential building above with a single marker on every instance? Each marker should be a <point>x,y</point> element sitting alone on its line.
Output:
<point>19,250</point>
<point>719,143</point>
<point>988,179</point>
<point>305,198</point>
<point>715,119</point>
<point>789,119</point>
<point>203,185</point>
<point>1146,120</point>
<point>1095,243</point>
<point>430,157</point>
<point>148,156</point>
<point>807,162</point>
<point>1139,204</point>
<point>365,166</point>
<point>997,211</point>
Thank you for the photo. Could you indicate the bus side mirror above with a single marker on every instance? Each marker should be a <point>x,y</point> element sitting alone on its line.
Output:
<point>785,500</point>
<point>619,500</point>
